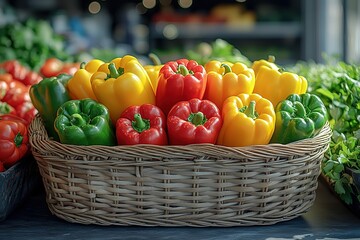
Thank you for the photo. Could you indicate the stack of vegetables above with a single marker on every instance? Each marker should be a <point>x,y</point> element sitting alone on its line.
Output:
<point>184,102</point>
<point>29,51</point>
<point>16,107</point>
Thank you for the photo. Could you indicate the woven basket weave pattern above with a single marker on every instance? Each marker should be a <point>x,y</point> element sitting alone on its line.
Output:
<point>193,185</point>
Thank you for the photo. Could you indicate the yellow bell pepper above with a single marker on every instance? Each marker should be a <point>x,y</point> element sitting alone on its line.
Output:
<point>79,85</point>
<point>227,79</point>
<point>276,85</point>
<point>121,83</point>
<point>270,63</point>
<point>153,70</point>
<point>248,119</point>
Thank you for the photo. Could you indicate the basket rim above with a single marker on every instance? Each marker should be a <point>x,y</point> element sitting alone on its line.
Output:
<point>39,133</point>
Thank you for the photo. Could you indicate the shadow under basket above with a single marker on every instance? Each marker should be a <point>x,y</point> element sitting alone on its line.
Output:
<point>196,185</point>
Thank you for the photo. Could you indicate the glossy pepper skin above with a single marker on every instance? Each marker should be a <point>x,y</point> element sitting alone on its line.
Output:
<point>153,70</point>
<point>225,80</point>
<point>270,63</point>
<point>249,119</point>
<point>179,80</point>
<point>47,96</point>
<point>122,83</point>
<point>80,85</point>
<point>193,121</point>
<point>276,85</point>
<point>14,142</point>
<point>84,122</point>
<point>299,117</point>
<point>145,124</point>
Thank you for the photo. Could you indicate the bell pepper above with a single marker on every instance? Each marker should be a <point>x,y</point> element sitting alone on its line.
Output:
<point>14,141</point>
<point>145,124</point>
<point>2,168</point>
<point>276,85</point>
<point>193,121</point>
<point>298,117</point>
<point>270,63</point>
<point>13,117</point>
<point>249,119</point>
<point>153,70</point>
<point>27,111</point>
<point>47,96</point>
<point>225,80</point>
<point>17,93</point>
<point>180,80</point>
<point>84,122</point>
<point>122,83</point>
<point>80,85</point>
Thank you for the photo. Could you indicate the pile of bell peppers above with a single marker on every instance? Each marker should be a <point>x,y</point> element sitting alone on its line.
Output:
<point>180,102</point>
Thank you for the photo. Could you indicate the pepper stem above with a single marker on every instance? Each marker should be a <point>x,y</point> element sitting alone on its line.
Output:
<point>140,124</point>
<point>197,118</point>
<point>183,70</point>
<point>299,109</point>
<point>77,120</point>
<point>271,58</point>
<point>114,73</point>
<point>18,140</point>
<point>250,110</point>
<point>227,68</point>
<point>82,65</point>
<point>155,59</point>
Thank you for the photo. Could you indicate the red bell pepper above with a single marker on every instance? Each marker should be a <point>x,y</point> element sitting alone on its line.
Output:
<point>13,117</point>
<point>193,121</point>
<point>17,93</point>
<point>2,168</point>
<point>26,111</point>
<point>144,124</point>
<point>179,80</point>
<point>14,142</point>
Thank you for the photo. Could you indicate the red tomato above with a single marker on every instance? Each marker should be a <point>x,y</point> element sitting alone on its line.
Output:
<point>51,67</point>
<point>70,68</point>
<point>4,87</point>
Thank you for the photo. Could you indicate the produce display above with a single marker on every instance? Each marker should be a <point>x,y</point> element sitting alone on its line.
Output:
<point>213,103</point>
<point>217,97</point>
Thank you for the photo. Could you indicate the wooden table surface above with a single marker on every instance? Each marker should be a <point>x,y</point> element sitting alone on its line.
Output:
<point>327,219</point>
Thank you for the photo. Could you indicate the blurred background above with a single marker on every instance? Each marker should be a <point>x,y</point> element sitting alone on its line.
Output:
<point>291,30</point>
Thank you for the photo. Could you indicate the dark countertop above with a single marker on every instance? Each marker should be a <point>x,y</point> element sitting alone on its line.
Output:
<point>327,219</point>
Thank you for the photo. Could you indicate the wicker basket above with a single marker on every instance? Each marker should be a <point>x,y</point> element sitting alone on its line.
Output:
<point>195,185</point>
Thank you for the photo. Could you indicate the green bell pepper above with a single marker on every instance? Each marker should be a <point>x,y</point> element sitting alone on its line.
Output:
<point>84,122</point>
<point>299,116</point>
<point>47,96</point>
